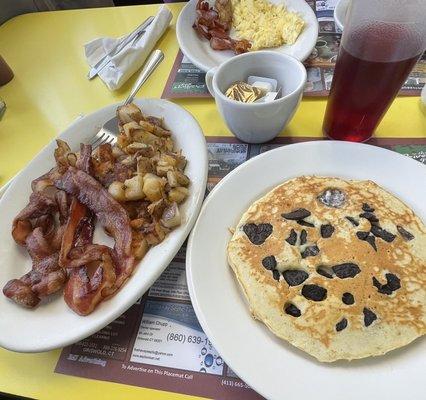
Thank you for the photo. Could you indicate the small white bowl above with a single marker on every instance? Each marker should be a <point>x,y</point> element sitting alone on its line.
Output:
<point>258,122</point>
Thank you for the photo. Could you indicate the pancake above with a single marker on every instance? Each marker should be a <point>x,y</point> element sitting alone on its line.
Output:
<point>337,268</point>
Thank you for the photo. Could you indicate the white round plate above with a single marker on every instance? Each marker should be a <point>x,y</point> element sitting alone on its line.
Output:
<point>53,324</point>
<point>200,53</point>
<point>340,13</point>
<point>269,365</point>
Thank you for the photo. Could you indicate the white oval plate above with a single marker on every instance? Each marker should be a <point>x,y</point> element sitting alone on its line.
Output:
<point>200,53</point>
<point>53,324</point>
<point>269,365</point>
<point>340,13</point>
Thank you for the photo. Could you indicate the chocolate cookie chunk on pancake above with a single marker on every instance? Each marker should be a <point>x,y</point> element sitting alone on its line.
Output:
<point>337,268</point>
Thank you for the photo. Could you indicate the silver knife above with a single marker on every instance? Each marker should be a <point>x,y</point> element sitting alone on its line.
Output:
<point>105,61</point>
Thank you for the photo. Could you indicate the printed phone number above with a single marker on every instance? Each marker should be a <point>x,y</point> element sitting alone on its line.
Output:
<point>239,384</point>
<point>182,338</point>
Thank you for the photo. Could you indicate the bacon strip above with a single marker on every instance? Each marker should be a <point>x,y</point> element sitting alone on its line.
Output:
<point>83,255</point>
<point>78,212</point>
<point>214,25</point>
<point>38,206</point>
<point>45,277</point>
<point>38,184</point>
<point>95,271</point>
<point>74,194</point>
<point>35,228</point>
<point>63,206</point>
<point>37,245</point>
<point>84,161</point>
<point>21,293</point>
<point>110,214</point>
<point>91,269</point>
<point>83,293</point>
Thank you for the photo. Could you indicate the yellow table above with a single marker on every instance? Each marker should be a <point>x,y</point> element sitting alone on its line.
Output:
<point>50,90</point>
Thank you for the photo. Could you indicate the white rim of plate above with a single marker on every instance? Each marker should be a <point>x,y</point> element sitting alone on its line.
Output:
<point>120,309</point>
<point>189,266</point>
<point>181,29</point>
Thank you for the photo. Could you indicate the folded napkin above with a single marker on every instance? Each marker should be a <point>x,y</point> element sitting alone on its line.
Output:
<point>124,64</point>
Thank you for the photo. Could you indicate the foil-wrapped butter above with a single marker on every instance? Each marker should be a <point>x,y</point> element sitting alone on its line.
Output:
<point>242,91</point>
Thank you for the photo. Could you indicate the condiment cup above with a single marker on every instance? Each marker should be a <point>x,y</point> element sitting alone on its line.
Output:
<point>258,122</point>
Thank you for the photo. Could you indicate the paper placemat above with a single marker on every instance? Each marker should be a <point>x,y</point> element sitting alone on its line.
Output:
<point>158,343</point>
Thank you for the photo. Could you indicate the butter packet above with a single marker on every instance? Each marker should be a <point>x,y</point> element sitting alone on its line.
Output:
<point>242,91</point>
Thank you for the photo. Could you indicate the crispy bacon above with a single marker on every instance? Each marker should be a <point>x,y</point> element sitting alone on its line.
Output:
<point>57,225</point>
<point>214,24</point>
<point>37,245</point>
<point>38,206</point>
<point>218,33</point>
<point>238,46</point>
<point>83,255</point>
<point>84,160</point>
<point>21,293</point>
<point>218,43</point>
<point>63,205</point>
<point>202,30</point>
<point>95,271</point>
<point>92,272</point>
<point>56,240</point>
<point>86,286</point>
<point>35,228</point>
<point>45,277</point>
<point>20,231</point>
<point>40,183</point>
<point>78,212</point>
<point>110,214</point>
<point>83,293</point>
<point>47,224</point>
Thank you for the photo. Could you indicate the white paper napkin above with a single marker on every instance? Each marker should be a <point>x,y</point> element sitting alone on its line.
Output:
<point>124,64</point>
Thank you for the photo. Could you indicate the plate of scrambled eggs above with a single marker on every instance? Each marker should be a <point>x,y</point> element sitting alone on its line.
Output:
<point>285,26</point>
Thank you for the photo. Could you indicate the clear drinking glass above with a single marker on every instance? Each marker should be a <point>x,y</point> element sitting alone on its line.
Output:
<point>382,41</point>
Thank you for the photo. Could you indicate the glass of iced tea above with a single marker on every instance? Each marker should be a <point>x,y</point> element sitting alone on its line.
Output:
<point>382,41</point>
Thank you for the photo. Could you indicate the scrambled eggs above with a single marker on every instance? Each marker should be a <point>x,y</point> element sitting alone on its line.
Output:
<point>265,24</point>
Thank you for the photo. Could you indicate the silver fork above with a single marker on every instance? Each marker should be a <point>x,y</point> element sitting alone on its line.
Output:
<point>109,131</point>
